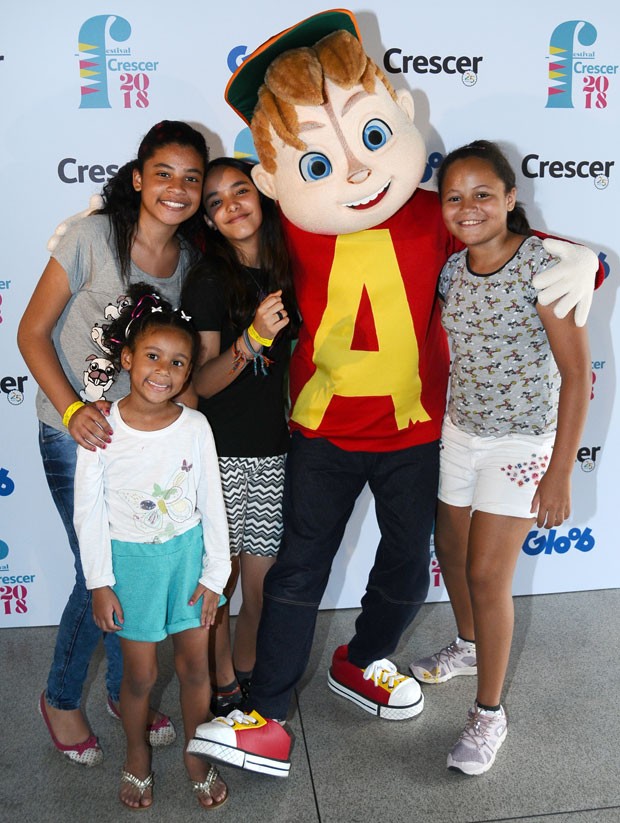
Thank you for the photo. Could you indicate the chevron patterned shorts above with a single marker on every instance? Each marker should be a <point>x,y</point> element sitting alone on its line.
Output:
<point>253,489</point>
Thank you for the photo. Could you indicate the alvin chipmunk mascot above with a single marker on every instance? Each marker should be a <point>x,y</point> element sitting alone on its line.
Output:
<point>339,152</point>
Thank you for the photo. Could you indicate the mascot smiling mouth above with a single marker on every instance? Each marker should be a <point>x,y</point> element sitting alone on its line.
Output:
<point>371,200</point>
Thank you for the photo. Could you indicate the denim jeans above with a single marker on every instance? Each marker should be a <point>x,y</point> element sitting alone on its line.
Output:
<point>78,635</point>
<point>321,486</point>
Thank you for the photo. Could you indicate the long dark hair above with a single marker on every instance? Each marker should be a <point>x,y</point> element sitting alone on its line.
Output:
<point>145,310</point>
<point>491,153</point>
<point>222,262</point>
<point>122,201</point>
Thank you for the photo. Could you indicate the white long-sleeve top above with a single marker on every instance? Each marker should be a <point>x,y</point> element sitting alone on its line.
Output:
<point>147,487</point>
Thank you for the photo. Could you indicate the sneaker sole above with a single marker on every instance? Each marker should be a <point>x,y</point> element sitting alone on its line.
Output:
<point>370,706</point>
<point>230,756</point>
<point>475,769</point>
<point>423,675</point>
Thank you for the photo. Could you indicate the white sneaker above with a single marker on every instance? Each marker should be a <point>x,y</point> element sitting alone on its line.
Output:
<point>475,750</point>
<point>459,657</point>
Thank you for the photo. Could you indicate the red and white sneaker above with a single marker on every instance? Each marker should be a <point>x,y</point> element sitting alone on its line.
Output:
<point>247,741</point>
<point>379,688</point>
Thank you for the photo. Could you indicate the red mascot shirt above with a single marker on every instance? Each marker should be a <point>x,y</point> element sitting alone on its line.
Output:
<point>370,370</point>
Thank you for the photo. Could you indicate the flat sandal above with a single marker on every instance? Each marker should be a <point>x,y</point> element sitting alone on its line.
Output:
<point>204,787</point>
<point>140,785</point>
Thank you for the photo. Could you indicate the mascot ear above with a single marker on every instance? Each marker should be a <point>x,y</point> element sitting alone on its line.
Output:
<point>405,101</point>
<point>264,181</point>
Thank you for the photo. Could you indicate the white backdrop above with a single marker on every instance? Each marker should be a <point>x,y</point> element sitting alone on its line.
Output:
<point>81,82</point>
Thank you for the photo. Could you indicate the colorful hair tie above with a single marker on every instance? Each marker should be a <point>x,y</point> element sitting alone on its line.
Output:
<point>140,307</point>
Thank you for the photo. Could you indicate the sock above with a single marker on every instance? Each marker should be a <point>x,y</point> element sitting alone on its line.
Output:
<point>488,708</point>
<point>463,641</point>
<point>229,688</point>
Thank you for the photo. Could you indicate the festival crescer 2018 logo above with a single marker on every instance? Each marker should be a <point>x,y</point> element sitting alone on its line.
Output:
<point>110,72</point>
<point>578,77</point>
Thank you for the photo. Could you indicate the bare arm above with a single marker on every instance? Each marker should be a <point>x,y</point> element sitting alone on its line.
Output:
<point>569,344</point>
<point>214,371</point>
<point>88,426</point>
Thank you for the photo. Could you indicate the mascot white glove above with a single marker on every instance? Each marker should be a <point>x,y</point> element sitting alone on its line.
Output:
<point>94,204</point>
<point>570,282</point>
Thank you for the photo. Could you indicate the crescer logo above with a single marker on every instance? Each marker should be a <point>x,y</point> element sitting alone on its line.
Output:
<point>4,284</point>
<point>92,46</point>
<point>100,60</point>
<point>597,365</point>
<point>572,60</point>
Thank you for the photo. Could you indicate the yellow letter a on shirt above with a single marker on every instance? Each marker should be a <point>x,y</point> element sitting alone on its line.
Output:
<point>364,259</point>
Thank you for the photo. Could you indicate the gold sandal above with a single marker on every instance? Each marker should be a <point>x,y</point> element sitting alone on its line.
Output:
<point>140,785</point>
<point>204,787</point>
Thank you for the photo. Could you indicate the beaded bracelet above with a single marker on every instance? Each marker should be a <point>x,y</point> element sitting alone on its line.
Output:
<point>71,410</point>
<point>240,358</point>
<point>264,341</point>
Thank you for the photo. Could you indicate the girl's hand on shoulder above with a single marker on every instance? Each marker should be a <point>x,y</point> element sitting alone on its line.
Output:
<point>271,316</point>
<point>210,601</point>
<point>89,426</point>
<point>551,503</point>
<point>105,606</point>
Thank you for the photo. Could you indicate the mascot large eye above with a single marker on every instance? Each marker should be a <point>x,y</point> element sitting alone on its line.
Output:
<point>376,134</point>
<point>314,166</point>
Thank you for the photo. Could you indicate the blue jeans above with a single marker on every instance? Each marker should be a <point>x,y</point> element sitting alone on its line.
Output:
<point>78,635</point>
<point>321,486</point>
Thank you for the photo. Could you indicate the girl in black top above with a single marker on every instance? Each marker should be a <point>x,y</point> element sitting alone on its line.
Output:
<point>242,303</point>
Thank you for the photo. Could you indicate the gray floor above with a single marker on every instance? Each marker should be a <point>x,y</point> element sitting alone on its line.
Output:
<point>559,764</point>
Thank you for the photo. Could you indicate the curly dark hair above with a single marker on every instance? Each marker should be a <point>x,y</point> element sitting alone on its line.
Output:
<point>122,201</point>
<point>145,310</point>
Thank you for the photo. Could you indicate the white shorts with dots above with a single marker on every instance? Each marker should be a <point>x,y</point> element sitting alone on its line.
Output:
<point>498,475</point>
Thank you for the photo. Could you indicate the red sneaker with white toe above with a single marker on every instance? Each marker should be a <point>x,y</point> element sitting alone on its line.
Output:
<point>248,741</point>
<point>379,688</point>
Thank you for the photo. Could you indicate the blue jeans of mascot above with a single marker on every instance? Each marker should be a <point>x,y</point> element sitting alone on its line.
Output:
<point>321,486</point>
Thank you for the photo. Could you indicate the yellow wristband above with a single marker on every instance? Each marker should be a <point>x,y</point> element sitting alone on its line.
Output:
<point>71,410</point>
<point>264,341</point>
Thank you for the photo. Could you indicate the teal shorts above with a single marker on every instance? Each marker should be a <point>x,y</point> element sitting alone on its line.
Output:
<point>154,582</point>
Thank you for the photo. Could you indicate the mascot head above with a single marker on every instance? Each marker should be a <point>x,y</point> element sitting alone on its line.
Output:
<point>337,146</point>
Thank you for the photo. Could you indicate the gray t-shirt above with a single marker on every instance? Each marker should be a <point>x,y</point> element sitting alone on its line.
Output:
<point>88,255</point>
<point>503,379</point>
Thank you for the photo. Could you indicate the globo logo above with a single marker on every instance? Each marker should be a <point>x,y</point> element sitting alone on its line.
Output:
<point>235,58</point>
<point>550,542</point>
